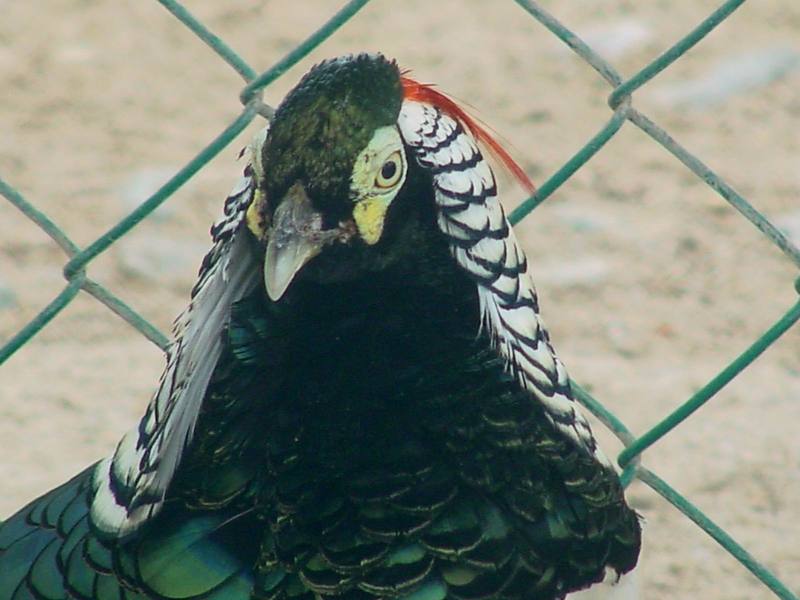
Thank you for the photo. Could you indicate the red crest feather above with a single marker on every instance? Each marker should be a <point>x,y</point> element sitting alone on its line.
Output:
<point>425,92</point>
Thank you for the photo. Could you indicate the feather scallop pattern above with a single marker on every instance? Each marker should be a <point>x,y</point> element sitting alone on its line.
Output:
<point>130,485</point>
<point>484,245</point>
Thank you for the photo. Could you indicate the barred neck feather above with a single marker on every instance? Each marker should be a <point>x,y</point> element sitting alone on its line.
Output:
<point>129,486</point>
<point>483,244</point>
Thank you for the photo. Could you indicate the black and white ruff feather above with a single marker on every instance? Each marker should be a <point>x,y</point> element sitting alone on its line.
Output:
<point>130,485</point>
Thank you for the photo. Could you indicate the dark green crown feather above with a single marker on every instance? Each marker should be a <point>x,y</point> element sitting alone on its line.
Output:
<point>325,121</point>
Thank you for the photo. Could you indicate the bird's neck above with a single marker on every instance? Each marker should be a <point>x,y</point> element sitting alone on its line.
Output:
<point>366,361</point>
<point>380,333</point>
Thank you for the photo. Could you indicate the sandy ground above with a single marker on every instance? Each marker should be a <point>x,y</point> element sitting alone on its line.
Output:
<point>649,281</point>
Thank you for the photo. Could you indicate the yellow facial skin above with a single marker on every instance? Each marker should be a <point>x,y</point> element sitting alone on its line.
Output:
<point>254,213</point>
<point>378,174</point>
<point>369,215</point>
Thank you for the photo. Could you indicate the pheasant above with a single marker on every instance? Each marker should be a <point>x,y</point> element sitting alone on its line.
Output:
<point>361,399</point>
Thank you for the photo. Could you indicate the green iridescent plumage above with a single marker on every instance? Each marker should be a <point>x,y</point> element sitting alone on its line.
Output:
<point>359,437</point>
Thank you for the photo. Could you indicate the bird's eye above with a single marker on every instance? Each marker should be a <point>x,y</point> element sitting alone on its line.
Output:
<point>391,171</point>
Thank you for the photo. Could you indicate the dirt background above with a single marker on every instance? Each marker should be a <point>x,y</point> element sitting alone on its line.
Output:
<point>649,281</point>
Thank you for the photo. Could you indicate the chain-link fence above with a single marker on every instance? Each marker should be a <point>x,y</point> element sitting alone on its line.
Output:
<point>621,104</point>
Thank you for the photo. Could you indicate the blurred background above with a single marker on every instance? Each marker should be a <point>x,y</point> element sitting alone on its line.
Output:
<point>649,281</point>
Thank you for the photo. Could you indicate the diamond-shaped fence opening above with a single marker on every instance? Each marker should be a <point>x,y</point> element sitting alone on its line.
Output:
<point>623,111</point>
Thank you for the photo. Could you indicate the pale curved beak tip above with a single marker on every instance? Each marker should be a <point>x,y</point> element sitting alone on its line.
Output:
<point>291,241</point>
<point>283,261</point>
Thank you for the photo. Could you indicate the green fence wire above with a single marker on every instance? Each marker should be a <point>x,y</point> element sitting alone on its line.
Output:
<point>620,102</point>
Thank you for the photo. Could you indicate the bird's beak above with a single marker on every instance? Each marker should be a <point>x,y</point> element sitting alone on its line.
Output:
<point>295,238</point>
